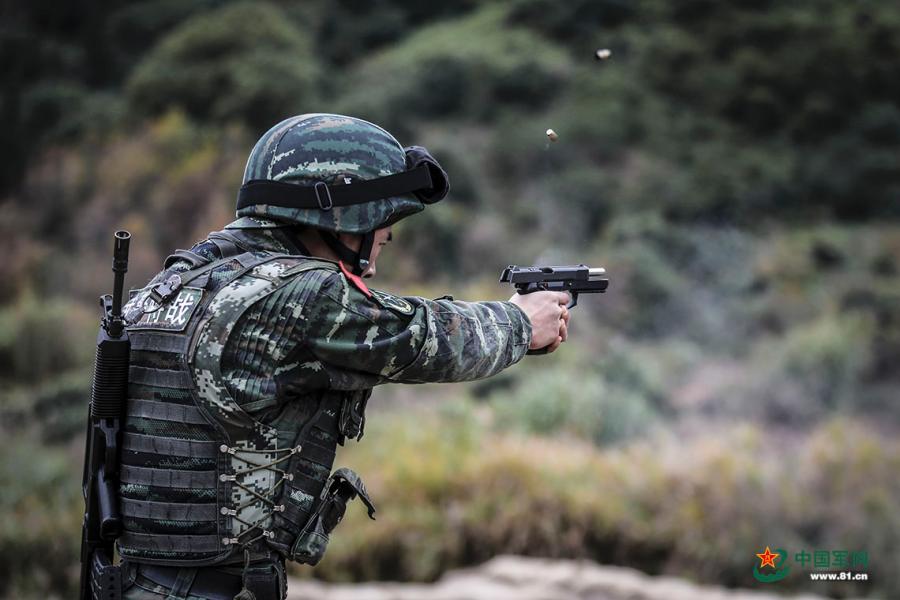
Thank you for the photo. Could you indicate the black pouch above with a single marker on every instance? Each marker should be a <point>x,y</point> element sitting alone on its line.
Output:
<point>106,578</point>
<point>343,486</point>
<point>266,581</point>
<point>353,414</point>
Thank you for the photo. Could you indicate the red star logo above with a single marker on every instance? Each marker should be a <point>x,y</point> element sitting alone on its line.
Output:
<point>768,558</point>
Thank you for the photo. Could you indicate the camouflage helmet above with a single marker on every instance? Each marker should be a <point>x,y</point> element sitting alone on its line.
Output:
<point>337,174</point>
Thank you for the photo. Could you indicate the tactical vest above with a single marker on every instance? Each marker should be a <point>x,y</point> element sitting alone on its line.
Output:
<point>201,479</point>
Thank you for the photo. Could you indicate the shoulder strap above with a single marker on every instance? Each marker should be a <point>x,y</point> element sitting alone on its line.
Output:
<point>167,289</point>
<point>189,256</point>
<point>228,242</point>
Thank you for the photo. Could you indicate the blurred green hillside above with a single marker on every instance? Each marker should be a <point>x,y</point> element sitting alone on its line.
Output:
<point>735,166</point>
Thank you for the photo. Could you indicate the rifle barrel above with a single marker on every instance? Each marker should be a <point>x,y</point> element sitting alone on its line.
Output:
<point>121,242</point>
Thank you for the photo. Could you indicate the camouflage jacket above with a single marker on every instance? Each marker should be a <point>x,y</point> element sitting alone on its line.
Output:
<point>205,407</point>
<point>361,340</point>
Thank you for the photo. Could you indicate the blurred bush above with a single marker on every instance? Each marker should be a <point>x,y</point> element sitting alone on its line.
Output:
<point>245,61</point>
<point>453,493</point>
<point>434,74</point>
<point>573,402</point>
<point>40,496</point>
<point>771,75</point>
<point>810,374</point>
<point>350,29</point>
<point>575,21</point>
<point>41,339</point>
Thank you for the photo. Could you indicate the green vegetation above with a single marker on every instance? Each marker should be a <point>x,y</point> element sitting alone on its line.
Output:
<point>453,492</point>
<point>733,165</point>
<point>219,66</point>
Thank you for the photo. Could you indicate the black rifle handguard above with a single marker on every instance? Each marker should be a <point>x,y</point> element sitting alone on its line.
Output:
<point>109,388</point>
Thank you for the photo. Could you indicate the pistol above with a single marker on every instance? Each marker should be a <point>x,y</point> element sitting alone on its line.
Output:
<point>575,279</point>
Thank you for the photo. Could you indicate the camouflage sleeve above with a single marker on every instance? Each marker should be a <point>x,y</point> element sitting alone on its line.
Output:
<point>363,340</point>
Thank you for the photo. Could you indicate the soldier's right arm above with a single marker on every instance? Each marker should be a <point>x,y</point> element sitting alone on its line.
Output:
<point>363,339</point>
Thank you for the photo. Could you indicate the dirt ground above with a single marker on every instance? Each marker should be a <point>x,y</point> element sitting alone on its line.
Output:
<point>520,578</point>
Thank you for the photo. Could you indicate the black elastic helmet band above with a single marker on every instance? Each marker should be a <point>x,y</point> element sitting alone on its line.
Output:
<point>424,177</point>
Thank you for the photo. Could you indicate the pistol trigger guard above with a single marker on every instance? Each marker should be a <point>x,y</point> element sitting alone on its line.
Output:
<point>574,301</point>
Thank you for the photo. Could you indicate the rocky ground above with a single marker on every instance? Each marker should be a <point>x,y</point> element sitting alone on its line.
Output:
<point>520,578</point>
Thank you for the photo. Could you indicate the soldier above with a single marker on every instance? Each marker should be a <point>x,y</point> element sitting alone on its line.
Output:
<point>254,353</point>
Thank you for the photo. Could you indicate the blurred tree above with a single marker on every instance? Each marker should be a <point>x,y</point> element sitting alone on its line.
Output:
<point>62,50</point>
<point>574,23</point>
<point>434,74</point>
<point>350,29</point>
<point>245,61</point>
<point>819,76</point>
<point>137,26</point>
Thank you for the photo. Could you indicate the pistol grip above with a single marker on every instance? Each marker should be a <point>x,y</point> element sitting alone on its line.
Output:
<point>538,351</point>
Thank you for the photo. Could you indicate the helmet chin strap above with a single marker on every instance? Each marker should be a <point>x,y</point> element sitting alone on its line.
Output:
<point>293,234</point>
<point>357,261</point>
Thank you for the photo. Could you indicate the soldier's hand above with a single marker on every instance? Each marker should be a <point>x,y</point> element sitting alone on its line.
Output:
<point>548,315</point>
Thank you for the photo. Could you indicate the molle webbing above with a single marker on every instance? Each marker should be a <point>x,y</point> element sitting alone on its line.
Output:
<point>161,545</point>
<point>161,342</point>
<point>321,455</point>
<point>201,478</point>
<point>168,511</point>
<point>169,454</point>
<point>168,478</point>
<point>165,411</point>
<point>180,380</point>
<point>154,444</point>
<point>171,486</point>
<point>310,470</point>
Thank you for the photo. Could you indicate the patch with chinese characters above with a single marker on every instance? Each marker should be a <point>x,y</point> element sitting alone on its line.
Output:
<point>172,316</point>
<point>395,303</point>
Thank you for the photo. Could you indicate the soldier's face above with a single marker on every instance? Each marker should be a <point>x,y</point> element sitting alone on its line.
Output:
<point>382,237</point>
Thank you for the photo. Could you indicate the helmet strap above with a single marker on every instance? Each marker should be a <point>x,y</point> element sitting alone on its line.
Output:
<point>293,235</point>
<point>359,261</point>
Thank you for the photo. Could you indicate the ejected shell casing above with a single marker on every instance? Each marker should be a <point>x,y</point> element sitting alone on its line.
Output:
<point>602,54</point>
<point>551,135</point>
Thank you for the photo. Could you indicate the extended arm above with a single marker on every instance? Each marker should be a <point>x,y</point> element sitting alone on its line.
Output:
<point>365,340</point>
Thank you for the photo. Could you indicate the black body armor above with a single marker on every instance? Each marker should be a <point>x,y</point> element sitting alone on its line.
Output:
<point>206,480</point>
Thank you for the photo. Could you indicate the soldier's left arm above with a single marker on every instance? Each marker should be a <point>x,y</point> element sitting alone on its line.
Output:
<point>363,338</point>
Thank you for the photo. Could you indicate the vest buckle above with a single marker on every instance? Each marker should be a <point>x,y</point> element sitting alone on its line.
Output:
<point>163,292</point>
